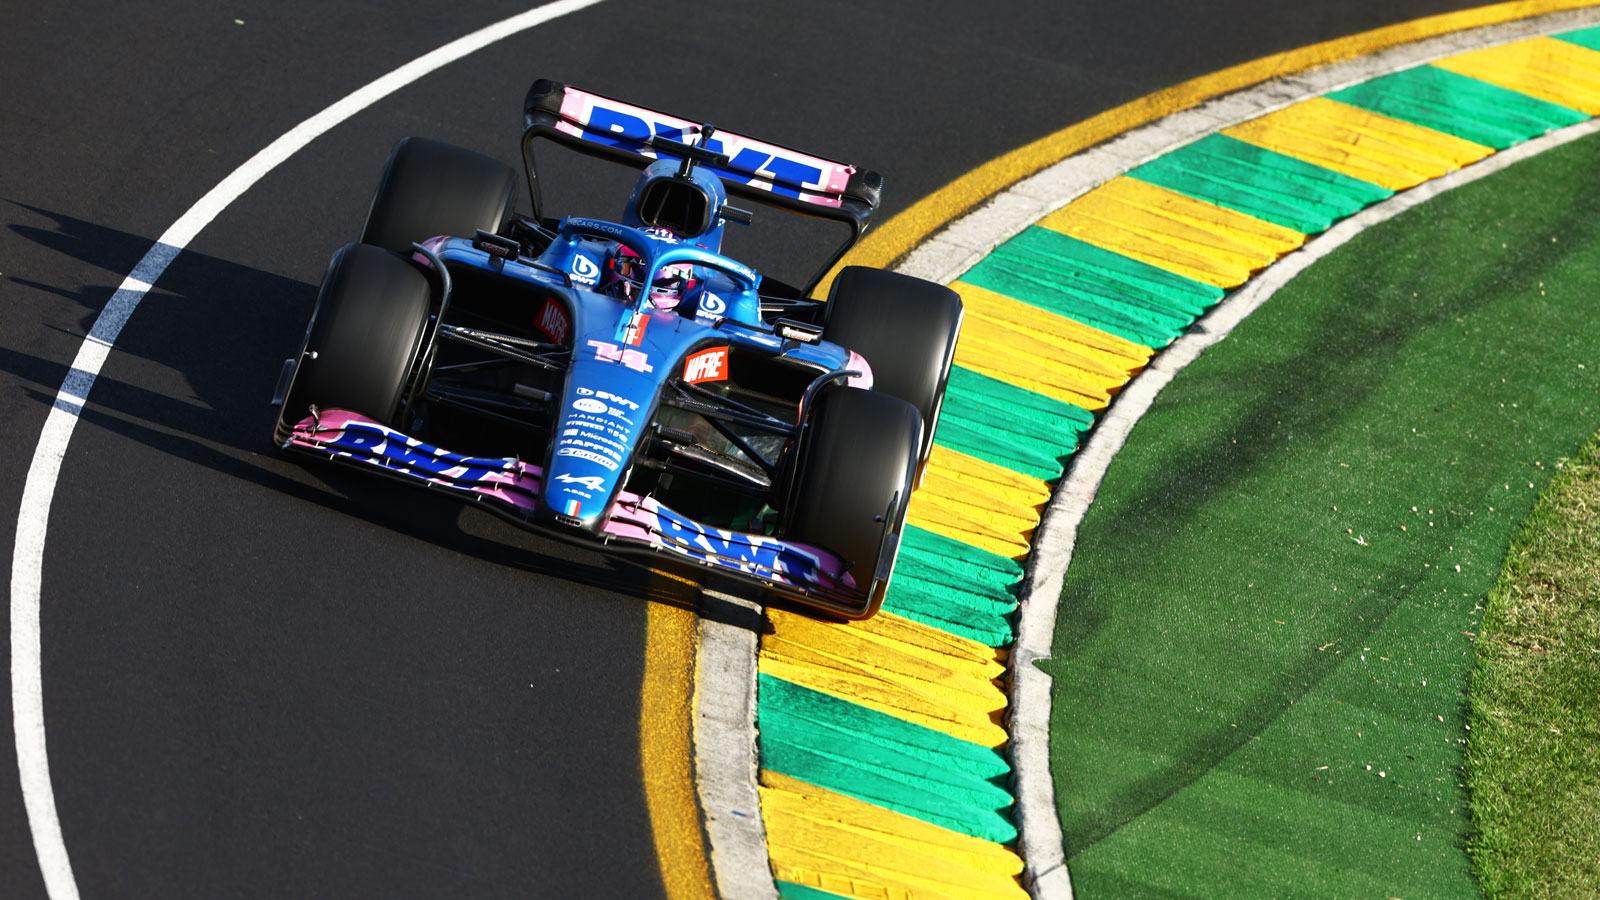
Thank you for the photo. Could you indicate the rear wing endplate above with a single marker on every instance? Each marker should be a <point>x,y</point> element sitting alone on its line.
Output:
<point>766,173</point>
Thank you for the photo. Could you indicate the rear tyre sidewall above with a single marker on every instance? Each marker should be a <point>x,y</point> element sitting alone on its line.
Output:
<point>429,188</point>
<point>906,328</point>
<point>364,337</point>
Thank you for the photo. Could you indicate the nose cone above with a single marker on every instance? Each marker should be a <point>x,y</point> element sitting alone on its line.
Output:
<point>601,419</point>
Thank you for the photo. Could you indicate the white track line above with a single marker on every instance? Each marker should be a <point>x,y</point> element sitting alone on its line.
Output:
<point>965,242</point>
<point>27,558</point>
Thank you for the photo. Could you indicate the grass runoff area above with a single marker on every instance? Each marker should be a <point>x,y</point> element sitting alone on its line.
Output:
<point>1533,760</point>
<point>1267,633</point>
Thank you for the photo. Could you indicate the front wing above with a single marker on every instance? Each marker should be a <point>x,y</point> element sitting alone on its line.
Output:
<point>510,487</point>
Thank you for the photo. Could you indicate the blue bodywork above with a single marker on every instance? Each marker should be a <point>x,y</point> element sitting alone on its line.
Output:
<point>624,351</point>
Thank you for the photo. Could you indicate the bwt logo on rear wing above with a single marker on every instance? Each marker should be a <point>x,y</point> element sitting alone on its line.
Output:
<point>754,163</point>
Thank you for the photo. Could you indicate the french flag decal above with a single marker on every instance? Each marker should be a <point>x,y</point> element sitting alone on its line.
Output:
<point>634,333</point>
<point>574,509</point>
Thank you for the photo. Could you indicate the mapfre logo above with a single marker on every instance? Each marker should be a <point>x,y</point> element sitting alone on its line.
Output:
<point>707,365</point>
<point>553,321</point>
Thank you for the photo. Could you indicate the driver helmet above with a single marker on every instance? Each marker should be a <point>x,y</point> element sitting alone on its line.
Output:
<point>671,284</point>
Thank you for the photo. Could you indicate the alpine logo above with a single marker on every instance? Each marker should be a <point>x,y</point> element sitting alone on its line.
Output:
<point>553,321</point>
<point>707,365</point>
<point>592,482</point>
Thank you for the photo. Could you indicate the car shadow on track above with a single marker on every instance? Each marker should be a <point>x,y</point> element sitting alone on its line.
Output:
<point>217,332</point>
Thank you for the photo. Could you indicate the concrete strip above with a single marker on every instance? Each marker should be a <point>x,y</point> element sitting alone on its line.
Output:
<point>725,744</point>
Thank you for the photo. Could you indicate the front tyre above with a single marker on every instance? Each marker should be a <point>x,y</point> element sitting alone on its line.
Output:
<point>857,463</point>
<point>364,337</point>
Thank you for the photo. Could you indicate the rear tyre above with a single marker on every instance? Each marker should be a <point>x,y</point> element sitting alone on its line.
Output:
<point>907,330</point>
<point>854,476</point>
<point>364,336</point>
<point>430,188</point>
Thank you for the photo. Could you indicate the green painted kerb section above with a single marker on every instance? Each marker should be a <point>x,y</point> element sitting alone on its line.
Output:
<point>835,744</point>
<point>1097,287</point>
<point>1455,104</point>
<point>1261,183</point>
<point>788,890</point>
<point>1587,37</point>
<point>1009,426</point>
<point>954,587</point>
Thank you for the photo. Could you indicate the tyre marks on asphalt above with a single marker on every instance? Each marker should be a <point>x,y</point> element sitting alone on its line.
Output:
<point>880,745</point>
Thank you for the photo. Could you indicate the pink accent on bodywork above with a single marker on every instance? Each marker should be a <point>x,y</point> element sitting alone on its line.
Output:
<point>510,481</point>
<point>340,433</point>
<point>577,106</point>
<point>639,518</point>
<point>860,364</point>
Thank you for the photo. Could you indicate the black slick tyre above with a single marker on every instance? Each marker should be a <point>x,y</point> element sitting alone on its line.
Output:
<point>430,188</point>
<point>907,330</point>
<point>854,475</point>
<point>364,336</point>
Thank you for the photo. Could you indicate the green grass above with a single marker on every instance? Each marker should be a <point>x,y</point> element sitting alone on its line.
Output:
<point>1269,627</point>
<point>1533,760</point>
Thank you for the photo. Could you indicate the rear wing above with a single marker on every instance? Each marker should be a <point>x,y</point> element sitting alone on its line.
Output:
<point>766,173</point>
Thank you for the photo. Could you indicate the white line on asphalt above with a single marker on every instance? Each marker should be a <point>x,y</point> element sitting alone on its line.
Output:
<point>27,558</point>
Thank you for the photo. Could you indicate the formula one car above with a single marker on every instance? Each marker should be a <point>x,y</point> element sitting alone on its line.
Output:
<point>623,384</point>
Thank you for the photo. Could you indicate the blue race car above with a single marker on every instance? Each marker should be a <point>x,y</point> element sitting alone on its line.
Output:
<point>623,384</point>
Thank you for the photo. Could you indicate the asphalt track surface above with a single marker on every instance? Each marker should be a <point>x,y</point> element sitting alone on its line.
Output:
<point>265,679</point>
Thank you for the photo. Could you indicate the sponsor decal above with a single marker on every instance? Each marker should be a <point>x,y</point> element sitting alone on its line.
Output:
<point>588,405</point>
<point>553,321</point>
<point>711,306</point>
<point>636,360</point>
<point>608,397</point>
<point>584,270</point>
<point>750,552</point>
<point>751,162</point>
<point>633,333</point>
<point>664,235</point>
<point>592,482</point>
<point>580,453</point>
<point>597,225</point>
<point>707,365</point>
